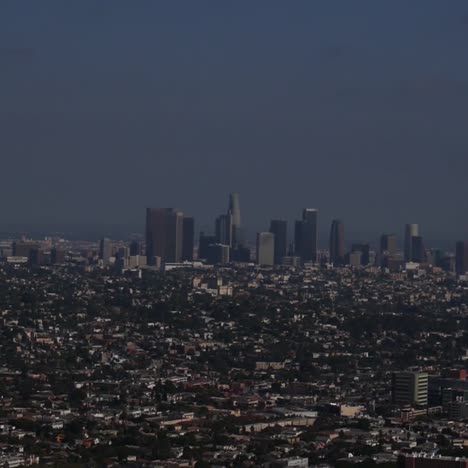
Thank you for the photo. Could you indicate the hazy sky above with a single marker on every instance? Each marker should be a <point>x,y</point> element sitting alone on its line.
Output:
<point>358,108</point>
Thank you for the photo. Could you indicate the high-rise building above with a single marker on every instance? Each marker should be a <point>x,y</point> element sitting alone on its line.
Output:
<point>135,248</point>
<point>388,244</point>
<point>410,388</point>
<point>306,235</point>
<point>280,230</point>
<point>411,230</point>
<point>224,229</point>
<point>418,252</point>
<point>105,250</point>
<point>218,254</point>
<point>364,250</point>
<point>57,256</point>
<point>204,245</point>
<point>188,238</point>
<point>234,211</point>
<point>164,235</point>
<point>461,258</point>
<point>240,253</point>
<point>23,248</point>
<point>265,248</point>
<point>337,243</point>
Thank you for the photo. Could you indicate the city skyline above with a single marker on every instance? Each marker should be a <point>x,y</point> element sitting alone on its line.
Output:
<point>337,112</point>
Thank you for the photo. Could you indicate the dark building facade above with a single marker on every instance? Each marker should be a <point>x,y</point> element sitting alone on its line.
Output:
<point>234,211</point>
<point>223,229</point>
<point>164,235</point>
<point>280,230</point>
<point>461,257</point>
<point>364,249</point>
<point>306,235</point>
<point>418,252</point>
<point>388,244</point>
<point>411,230</point>
<point>337,243</point>
<point>188,238</point>
<point>204,245</point>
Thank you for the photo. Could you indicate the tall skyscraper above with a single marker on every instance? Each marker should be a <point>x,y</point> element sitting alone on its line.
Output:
<point>135,248</point>
<point>337,243</point>
<point>224,229</point>
<point>461,258</point>
<point>234,211</point>
<point>265,248</point>
<point>280,229</point>
<point>218,254</point>
<point>204,245</point>
<point>188,238</point>
<point>388,244</point>
<point>411,230</point>
<point>105,250</point>
<point>164,235</point>
<point>418,252</point>
<point>306,235</point>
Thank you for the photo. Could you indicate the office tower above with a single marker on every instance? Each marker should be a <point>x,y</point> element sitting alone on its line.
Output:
<point>337,243</point>
<point>461,258</point>
<point>105,250</point>
<point>164,235</point>
<point>135,248</point>
<point>188,239</point>
<point>234,211</point>
<point>306,235</point>
<point>410,388</point>
<point>364,250</point>
<point>240,254</point>
<point>418,253</point>
<point>204,244</point>
<point>388,244</point>
<point>411,230</point>
<point>57,256</point>
<point>36,257</point>
<point>23,248</point>
<point>218,254</point>
<point>223,229</point>
<point>265,248</point>
<point>280,230</point>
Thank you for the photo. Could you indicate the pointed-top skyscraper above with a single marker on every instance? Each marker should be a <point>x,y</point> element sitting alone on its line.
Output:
<point>234,211</point>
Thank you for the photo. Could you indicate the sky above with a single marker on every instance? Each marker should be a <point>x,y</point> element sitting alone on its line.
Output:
<point>358,108</point>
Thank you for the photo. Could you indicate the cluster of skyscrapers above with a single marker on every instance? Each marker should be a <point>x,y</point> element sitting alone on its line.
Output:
<point>170,238</point>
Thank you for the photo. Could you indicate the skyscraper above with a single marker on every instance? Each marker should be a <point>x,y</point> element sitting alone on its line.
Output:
<point>188,239</point>
<point>218,254</point>
<point>280,230</point>
<point>364,250</point>
<point>265,248</point>
<point>418,252</point>
<point>388,244</point>
<point>461,258</point>
<point>411,230</point>
<point>164,235</point>
<point>337,243</point>
<point>105,250</point>
<point>234,211</point>
<point>306,235</point>
<point>204,245</point>
<point>224,229</point>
